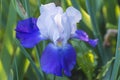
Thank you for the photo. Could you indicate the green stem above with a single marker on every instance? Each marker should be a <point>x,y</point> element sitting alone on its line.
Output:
<point>39,3</point>
<point>39,55</point>
<point>16,68</point>
<point>38,58</point>
<point>96,32</point>
<point>116,65</point>
<point>1,14</point>
<point>27,7</point>
<point>30,59</point>
<point>54,77</point>
<point>38,50</point>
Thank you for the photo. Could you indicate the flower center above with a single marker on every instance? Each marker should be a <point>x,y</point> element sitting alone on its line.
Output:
<point>60,42</point>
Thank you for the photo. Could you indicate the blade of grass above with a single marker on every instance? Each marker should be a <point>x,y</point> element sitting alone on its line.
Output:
<point>8,49</point>
<point>116,65</point>
<point>54,77</point>
<point>19,8</point>
<point>30,59</point>
<point>105,53</point>
<point>85,16</point>
<point>63,4</point>
<point>16,68</point>
<point>96,32</point>
<point>104,70</point>
<point>11,75</point>
<point>27,7</point>
<point>110,11</point>
<point>118,78</point>
<point>39,3</point>
<point>0,13</point>
<point>38,55</point>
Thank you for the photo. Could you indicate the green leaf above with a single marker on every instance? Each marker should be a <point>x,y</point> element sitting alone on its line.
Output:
<point>85,17</point>
<point>116,65</point>
<point>92,12</point>
<point>11,75</point>
<point>27,7</point>
<point>8,46</point>
<point>20,9</point>
<point>53,77</point>
<point>31,61</point>
<point>104,69</point>
<point>85,58</point>
<point>109,11</point>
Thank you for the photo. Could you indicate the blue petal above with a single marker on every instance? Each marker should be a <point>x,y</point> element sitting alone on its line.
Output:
<point>28,40</point>
<point>28,33</point>
<point>27,25</point>
<point>50,60</point>
<point>68,59</point>
<point>55,59</point>
<point>81,35</point>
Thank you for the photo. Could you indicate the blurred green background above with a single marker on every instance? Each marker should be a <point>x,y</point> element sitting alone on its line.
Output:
<point>100,19</point>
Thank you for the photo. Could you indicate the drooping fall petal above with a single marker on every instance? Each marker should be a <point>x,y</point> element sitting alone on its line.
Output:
<point>55,59</point>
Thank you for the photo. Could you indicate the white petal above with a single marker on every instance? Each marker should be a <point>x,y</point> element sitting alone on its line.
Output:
<point>67,28</point>
<point>73,14</point>
<point>50,9</point>
<point>47,7</point>
<point>47,26</point>
<point>47,22</point>
<point>41,23</point>
<point>54,24</point>
<point>57,19</point>
<point>74,17</point>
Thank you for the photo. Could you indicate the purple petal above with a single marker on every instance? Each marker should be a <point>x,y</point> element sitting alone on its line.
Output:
<point>28,33</point>
<point>55,59</point>
<point>93,42</point>
<point>81,35</point>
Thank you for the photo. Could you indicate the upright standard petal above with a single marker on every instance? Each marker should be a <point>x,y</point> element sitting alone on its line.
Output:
<point>28,33</point>
<point>74,16</point>
<point>56,25</point>
<point>82,35</point>
<point>50,9</point>
<point>55,59</point>
<point>46,21</point>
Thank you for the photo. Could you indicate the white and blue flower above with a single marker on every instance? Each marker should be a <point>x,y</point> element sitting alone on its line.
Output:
<point>59,56</point>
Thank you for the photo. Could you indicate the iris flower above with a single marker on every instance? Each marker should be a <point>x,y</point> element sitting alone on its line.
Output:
<point>59,56</point>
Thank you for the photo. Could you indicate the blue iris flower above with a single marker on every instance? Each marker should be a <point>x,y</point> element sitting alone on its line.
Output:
<point>59,56</point>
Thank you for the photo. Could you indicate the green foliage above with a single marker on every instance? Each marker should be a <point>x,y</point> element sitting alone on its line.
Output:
<point>116,66</point>
<point>8,46</point>
<point>86,58</point>
<point>98,16</point>
<point>105,69</point>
